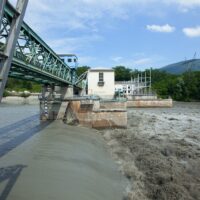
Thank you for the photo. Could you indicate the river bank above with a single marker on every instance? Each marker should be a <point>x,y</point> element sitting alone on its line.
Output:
<point>31,100</point>
<point>159,152</point>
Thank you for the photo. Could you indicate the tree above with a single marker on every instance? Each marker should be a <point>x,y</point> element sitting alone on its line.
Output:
<point>191,88</point>
<point>27,85</point>
<point>81,70</point>
<point>122,73</point>
<point>21,85</point>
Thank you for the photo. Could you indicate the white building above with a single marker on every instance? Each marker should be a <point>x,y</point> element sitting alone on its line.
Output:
<point>134,87</point>
<point>101,82</point>
<point>141,85</point>
<point>125,87</point>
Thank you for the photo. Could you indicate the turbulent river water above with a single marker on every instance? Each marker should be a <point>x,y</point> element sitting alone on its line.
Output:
<point>159,152</point>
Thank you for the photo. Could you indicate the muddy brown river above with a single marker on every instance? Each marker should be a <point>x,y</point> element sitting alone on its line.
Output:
<point>156,158</point>
<point>54,161</point>
<point>159,152</point>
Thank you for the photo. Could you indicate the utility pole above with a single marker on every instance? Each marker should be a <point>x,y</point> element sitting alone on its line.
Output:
<point>150,81</point>
<point>145,82</point>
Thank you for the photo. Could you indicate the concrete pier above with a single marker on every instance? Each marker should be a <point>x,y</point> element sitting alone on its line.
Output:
<point>89,113</point>
<point>58,103</point>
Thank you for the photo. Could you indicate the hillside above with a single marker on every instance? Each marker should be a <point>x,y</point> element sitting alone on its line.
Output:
<point>180,67</point>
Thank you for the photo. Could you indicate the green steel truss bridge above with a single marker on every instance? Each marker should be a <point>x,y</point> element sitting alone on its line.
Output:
<point>24,55</point>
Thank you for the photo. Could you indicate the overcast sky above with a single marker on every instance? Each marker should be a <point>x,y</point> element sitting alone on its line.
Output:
<point>105,33</point>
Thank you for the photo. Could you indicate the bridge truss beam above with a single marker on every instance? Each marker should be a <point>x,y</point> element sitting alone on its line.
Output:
<point>10,42</point>
<point>33,59</point>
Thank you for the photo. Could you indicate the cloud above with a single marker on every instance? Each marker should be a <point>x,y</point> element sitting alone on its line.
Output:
<point>86,60</point>
<point>74,15</point>
<point>81,15</point>
<point>77,25</point>
<point>192,32</point>
<point>183,6</point>
<point>89,15</point>
<point>73,44</point>
<point>164,29</point>
<point>142,61</point>
<point>133,62</point>
<point>185,3</point>
<point>117,59</point>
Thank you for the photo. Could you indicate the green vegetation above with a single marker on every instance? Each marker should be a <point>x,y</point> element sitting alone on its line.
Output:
<point>122,73</point>
<point>184,87</point>
<point>81,70</point>
<point>5,93</point>
<point>21,85</point>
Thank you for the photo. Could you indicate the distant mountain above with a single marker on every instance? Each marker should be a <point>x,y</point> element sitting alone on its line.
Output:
<point>181,67</point>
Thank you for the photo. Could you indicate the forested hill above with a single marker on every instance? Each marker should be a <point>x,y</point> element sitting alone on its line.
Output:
<point>181,67</point>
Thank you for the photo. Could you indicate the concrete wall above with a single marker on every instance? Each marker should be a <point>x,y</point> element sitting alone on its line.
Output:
<point>105,91</point>
<point>113,105</point>
<point>168,103</point>
<point>109,119</point>
<point>142,97</point>
<point>102,118</point>
<point>88,114</point>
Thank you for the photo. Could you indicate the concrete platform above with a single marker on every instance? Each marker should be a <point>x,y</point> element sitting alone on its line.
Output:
<point>154,103</point>
<point>61,163</point>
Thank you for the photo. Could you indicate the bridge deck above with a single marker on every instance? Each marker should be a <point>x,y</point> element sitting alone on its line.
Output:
<point>60,163</point>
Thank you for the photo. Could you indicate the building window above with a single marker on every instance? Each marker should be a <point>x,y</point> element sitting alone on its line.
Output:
<point>100,76</point>
<point>101,81</point>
